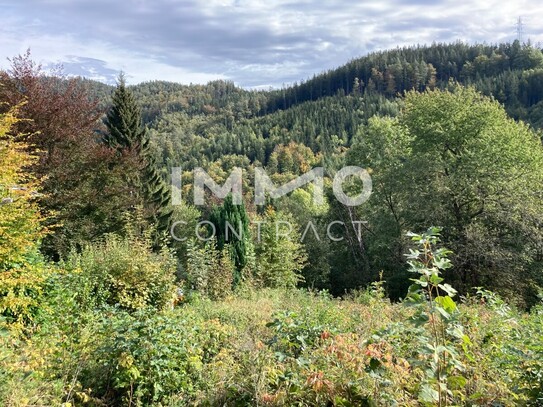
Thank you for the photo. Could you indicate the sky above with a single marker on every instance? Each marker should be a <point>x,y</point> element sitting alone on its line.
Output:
<point>255,43</point>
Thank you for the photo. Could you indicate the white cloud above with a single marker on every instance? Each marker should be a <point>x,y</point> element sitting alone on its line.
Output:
<point>253,42</point>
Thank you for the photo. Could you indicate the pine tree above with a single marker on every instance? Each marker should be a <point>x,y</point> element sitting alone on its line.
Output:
<point>126,132</point>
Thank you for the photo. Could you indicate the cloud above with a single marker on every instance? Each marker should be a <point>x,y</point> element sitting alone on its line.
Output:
<point>252,42</point>
<point>91,68</point>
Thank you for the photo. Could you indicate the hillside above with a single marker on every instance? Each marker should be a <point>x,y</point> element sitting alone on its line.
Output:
<point>509,72</point>
<point>223,119</point>
<point>218,126</point>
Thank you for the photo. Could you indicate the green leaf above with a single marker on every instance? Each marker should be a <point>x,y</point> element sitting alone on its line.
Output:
<point>442,263</point>
<point>420,319</point>
<point>435,279</point>
<point>444,313</point>
<point>448,289</point>
<point>428,394</point>
<point>447,303</point>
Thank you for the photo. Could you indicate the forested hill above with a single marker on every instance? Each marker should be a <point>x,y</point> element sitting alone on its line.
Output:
<point>512,72</point>
<point>116,290</point>
<point>198,123</point>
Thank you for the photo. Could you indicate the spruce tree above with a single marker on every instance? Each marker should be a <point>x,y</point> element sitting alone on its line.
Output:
<point>126,132</point>
<point>236,216</point>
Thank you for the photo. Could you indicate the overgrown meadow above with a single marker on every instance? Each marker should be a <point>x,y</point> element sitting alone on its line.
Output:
<point>276,347</point>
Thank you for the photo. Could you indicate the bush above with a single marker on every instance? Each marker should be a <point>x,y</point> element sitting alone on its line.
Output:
<point>144,358</point>
<point>315,350</point>
<point>123,272</point>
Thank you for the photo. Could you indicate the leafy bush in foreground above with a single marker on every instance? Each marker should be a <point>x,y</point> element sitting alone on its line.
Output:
<point>123,272</point>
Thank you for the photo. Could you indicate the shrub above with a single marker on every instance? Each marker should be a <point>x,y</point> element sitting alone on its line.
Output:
<point>293,333</point>
<point>144,358</point>
<point>124,272</point>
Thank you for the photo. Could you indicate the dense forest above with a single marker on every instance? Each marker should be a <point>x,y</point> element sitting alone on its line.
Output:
<point>322,122</point>
<point>112,295</point>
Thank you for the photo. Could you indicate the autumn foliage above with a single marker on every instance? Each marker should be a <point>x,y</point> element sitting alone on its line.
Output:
<point>84,181</point>
<point>20,226</point>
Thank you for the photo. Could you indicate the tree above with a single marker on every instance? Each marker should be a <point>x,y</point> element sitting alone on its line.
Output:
<point>21,229</point>
<point>382,147</point>
<point>81,187</point>
<point>232,228</point>
<point>528,58</point>
<point>124,123</point>
<point>280,257</point>
<point>57,113</point>
<point>126,133</point>
<point>466,166</point>
<point>310,218</point>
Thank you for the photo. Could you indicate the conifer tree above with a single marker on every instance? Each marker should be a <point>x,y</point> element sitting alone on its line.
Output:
<point>126,132</point>
<point>236,217</point>
<point>124,123</point>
